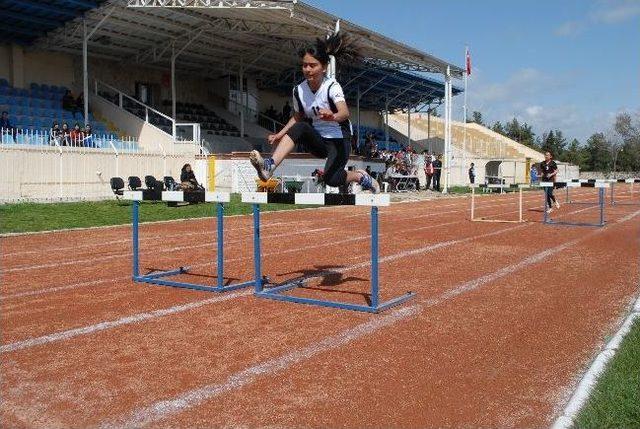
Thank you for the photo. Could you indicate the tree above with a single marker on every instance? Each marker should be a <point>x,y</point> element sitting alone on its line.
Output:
<point>576,154</point>
<point>498,128</point>
<point>554,142</point>
<point>627,129</point>
<point>598,153</point>
<point>476,117</point>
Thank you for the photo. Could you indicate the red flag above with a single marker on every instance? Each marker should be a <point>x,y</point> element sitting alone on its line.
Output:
<point>468,62</point>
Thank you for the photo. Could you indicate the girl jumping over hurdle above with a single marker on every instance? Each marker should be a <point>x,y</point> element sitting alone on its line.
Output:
<point>320,123</point>
<point>549,170</point>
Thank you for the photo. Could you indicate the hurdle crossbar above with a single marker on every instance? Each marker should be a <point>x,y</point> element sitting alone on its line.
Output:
<point>577,183</point>
<point>518,186</point>
<point>159,277</point>
<point>630,182</point>
<point>277,292</point>
<point>600,185</point>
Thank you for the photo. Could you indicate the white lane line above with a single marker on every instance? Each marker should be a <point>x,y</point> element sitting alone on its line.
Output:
<point>133,319</point>
<point>163,409</point>
<point>204,264</point>
<point>4,298</point>
<point>590,378</point>
<point>154,251</point>
<point>63,335</point>
<point>147,237</point>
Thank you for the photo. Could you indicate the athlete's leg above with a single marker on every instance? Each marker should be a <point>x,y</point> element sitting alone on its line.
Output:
<point>300,133</point>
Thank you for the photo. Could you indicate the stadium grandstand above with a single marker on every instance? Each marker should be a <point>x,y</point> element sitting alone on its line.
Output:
<point>168,82</point>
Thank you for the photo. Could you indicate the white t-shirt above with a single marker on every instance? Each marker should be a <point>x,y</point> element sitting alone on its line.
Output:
<point>308,103</point>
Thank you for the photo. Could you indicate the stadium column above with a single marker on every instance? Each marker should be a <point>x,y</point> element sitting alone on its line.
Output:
<point>358,109</point>
<point>408,125</point>
<point>241,87</point>
<point>173,90</point>
<point>85,71</point>
<point>386,121</point>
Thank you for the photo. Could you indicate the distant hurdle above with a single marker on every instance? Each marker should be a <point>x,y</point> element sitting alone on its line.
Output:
<point>277,292</point>
<point>601,186</point>
<point>518,186</point>
<point>159,277</point>
<point>576,183</point>
<point>630,182</point>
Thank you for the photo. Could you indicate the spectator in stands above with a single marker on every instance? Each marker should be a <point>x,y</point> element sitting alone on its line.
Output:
<point>188,180</point>
<point>437,167</point>
<point>428,172</point>
<point>69,103</point>
<point>472,173</point>
<point>55,134</point>
<point>286,113</point>
<point>533,174</point>
<point>368,145</point>
<point>89,140</point>
<point>5,125</point>
<point>76,135</point>
<point>65,135</point>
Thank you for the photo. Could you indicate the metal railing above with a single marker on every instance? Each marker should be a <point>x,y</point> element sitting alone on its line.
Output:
<point>150,115</point>
<point>256,117</point>
<point>29,137</point>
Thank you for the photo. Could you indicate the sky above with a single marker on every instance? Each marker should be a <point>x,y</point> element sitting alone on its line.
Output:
<point>568,65</point>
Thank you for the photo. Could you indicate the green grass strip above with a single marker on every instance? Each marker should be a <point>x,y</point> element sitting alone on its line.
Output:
<point>31,217</point>
<point>615,401</point>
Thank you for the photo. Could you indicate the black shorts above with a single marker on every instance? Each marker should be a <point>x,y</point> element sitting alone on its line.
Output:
<point>336,151</point>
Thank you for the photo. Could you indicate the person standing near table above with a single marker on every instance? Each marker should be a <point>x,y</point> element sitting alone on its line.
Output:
<point>472,173</point>
<point>437,172</point>
<point>549,170</point>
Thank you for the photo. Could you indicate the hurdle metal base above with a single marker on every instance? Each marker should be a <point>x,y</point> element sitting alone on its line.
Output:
<point>156,278</point>
<point>277,295</point>
<point>557,222</point>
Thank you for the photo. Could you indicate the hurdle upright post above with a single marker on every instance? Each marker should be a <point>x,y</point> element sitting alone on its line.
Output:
<point>520,206</point>
<point>134,235</point>
<point>546,206</point>
<point>473,202</point>
<point>256,248</point>
<point>220,256</point>
<point>374,257</point>
<point>601,201</point>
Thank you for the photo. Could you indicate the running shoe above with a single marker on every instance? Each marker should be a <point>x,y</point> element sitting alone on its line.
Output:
<point>549,210</point>
<point>368,183</point>
<point>557,205</point>
<point>264,166</point>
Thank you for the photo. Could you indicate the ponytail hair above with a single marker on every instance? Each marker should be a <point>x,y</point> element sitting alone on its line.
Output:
<point>336,45</point>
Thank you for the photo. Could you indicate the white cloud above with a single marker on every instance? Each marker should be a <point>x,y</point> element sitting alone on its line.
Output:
<point>569,29</point>
<point>616,11</point>
<point>606,12</point>
<point>523,95</point>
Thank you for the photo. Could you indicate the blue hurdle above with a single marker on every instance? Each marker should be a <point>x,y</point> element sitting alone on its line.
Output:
<point>600,185</point>
<point>158,277</point>
<point>630,182</point>
<point>277,292</point>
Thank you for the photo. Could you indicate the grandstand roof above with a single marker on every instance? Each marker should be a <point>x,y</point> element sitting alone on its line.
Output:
<point>24,21</point>
<point>219,37</point>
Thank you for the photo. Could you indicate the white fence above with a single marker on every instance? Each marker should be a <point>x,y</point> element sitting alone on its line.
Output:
<point>63,173</point>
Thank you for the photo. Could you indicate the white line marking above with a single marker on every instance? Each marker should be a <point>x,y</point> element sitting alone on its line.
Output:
<point>599,364</point>
<point>136,318</point>
<point>162,409</point>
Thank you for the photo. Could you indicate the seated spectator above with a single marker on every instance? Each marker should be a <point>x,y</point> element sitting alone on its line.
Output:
<point>5,125</point>
<point>89,141</point>
<point>188,180</point>
<point>55,134</point>
<point>76,135</point>
<point>69,103</point>
<point>65,135</point>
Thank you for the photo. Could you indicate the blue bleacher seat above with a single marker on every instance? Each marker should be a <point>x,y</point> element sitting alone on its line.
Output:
<point>54,88</point>
<point>45,87</point>
<point>4,90</point>
<point>4,82</point>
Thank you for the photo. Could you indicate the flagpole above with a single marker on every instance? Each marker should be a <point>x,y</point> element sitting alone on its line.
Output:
<point>464,111</point>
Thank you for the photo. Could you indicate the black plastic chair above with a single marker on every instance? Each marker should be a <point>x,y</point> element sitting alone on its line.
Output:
<point>117,186</point>
<point>134,183</point>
